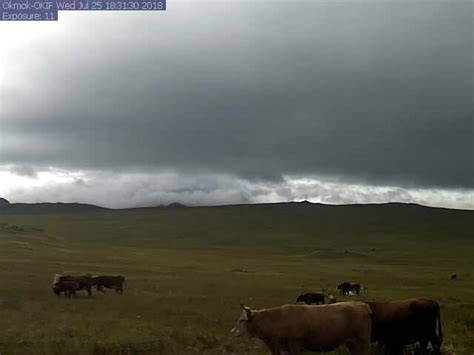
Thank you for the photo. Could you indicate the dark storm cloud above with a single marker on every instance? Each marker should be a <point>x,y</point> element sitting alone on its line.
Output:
<point>375,92</point>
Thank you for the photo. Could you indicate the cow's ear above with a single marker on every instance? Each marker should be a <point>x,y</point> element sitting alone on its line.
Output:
<point>248,311</point>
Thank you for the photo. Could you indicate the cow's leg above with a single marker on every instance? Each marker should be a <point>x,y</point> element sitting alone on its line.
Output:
<point>395,349</point>
<point>273,347</point>
<point>378,348</point>
<point>295,348</point>
<point>434,340</point>
<point>358,347</point>
<point>351,346</point>
<point>423,347</point>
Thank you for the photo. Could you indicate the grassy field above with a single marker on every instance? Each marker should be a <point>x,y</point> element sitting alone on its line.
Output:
<point>187,271</point>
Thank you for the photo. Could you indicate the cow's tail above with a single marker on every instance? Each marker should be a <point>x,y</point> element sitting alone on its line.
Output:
<point>440,331</point>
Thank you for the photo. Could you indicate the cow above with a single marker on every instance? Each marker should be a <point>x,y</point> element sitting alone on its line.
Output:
<point>296,328</point>
<point>344,288</point>
<point>355,288</point>
<point>453,276</point>
<point>400,323</point>
<point>347,288</point>
<point>109,281</point>
<point>311,298</point>
<point>67,287</point>
<point>84,282</point>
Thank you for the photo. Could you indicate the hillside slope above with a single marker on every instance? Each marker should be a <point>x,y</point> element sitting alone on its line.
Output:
<point>282,224</point>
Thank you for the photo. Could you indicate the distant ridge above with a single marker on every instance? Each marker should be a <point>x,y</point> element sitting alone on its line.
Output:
<point>47,207</point>
<point>306,203</point>
<point>59,207</point>
<point>176,205</point>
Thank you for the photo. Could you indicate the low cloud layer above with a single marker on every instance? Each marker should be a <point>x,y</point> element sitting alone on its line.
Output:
<point>122,190</point>
<point>366,93</point>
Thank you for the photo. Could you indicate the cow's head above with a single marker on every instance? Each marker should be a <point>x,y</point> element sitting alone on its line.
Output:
<point>56,290</point>
<point>244,325</point>
<point>300,298</point>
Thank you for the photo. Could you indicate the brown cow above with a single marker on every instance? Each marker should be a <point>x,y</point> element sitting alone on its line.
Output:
<point>67,287</point>
<point>311,298</point>
<point>295,328</point>
<point>109,281</point>
<point>84,282</point>
<point>396,324</point>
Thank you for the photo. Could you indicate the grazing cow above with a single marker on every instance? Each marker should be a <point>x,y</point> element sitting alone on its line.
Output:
<point>344,288</point>
<point>67,287</point>
<point>396,324</point>
<point>109,281</point>
<point>295,328</point>
<point>454,276</point>
<point>84,282</point>
<point>311,298</point>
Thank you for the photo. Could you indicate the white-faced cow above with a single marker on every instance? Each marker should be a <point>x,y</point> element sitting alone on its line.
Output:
<point>66,283</point>
<point>69,288</point>
<point>296,328</point>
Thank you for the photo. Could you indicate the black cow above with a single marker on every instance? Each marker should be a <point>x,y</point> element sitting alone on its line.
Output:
<point>108,281</point>
<point>83,282</point>
<point>311,298</point>
<point>67,287</point>
<point>355,288</point>
<point>344,288</point>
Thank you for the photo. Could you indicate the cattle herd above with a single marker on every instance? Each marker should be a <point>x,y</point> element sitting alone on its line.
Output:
<point>320,327</point>
<point>70,284</point>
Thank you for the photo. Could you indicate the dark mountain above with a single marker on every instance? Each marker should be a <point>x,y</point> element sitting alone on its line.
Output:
<point>47,207</point>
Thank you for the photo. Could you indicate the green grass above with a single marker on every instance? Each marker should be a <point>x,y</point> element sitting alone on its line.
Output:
<point>187,271</point>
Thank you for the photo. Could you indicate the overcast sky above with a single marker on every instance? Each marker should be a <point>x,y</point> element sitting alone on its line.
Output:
<point>241,101</point>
